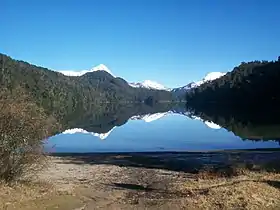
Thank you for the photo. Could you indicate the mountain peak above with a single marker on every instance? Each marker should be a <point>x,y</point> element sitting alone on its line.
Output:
<point>102,136</point>
<point>213,75</point>
<point>149,85</point>
<point>153,84</point>
<point>101,67</point>
<point>209,77</point>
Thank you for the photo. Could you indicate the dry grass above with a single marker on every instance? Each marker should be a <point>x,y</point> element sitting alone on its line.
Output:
<point>227,188</point>
<point>248,190</point>
<point>36,196</point>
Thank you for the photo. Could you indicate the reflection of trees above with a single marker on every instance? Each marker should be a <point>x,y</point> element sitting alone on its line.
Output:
<point>106,117</point>
<point>240,125</point>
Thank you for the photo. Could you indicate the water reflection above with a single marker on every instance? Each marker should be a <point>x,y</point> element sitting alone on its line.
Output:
<point>241,126</point>
<point>145,117</point>
<point>163,127</point>
<point>80,130</point>
<point>109,116</point>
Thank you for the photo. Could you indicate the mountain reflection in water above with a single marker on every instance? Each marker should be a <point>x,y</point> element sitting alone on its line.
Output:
<point>147,118</point>
<point>165,126</point>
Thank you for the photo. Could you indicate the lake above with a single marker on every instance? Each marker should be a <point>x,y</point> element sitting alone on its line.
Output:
<point>152,129</point>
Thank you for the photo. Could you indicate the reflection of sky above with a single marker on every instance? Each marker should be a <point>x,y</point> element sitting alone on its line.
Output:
<point>170,133</point>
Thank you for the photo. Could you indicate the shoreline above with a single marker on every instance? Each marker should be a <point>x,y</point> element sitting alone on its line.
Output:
<point>167,152</point>
<point>152,181</point>
<point>189,162</point>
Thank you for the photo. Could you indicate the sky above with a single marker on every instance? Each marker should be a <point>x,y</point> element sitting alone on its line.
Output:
<point>172,42</point>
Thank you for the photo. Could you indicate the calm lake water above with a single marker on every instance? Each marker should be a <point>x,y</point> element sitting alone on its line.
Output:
<point>160,129</point>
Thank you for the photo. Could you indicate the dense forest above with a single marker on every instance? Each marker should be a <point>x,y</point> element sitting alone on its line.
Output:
<point>250,94</point>
<point>62,96</point>
<point>251,90</point>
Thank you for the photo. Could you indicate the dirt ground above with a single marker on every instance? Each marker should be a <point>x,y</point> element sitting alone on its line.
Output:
<point>77,184</point>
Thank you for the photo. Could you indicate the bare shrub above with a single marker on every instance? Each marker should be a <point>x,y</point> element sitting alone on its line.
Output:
<point>227,171</point>
<point>23,126</point>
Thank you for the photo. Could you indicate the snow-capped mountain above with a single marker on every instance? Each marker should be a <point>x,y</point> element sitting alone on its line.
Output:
<point>156,116</point>
<point>102,136</point>
<point>149,84</point>
<point>210,124</point>
<point>149,117</point>
<point>209,77</point>
<point>100,67</point>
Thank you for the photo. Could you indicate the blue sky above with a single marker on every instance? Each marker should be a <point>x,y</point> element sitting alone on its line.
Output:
<point>170,41</point>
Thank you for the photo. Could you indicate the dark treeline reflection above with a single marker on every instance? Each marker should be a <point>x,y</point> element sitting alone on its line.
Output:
<point>107,116</point>
<point>23,125</point>
<point>104,118</point>
<point>248,126</point>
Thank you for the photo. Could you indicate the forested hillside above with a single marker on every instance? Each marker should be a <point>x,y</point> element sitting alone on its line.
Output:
<point>252,86</point>
<point>62,95</point>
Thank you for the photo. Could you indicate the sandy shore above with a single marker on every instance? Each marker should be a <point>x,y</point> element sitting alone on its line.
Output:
<point>142,181</point>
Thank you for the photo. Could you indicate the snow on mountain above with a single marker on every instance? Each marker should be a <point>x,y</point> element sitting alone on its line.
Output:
<point>210,124</point>
<point>213,75</point>
<point>102,136</point>
<point>153,117</point>
<point>149,117</point>
<point>156,116</point>
<point>74,73</point>
<point>100,67</point>
<point>209,77</point>
<point>149,85</point>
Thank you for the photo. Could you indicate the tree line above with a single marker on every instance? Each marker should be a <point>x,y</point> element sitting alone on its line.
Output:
<point>36,103</point>
<point>251,89</point>
<point>62,95</point>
